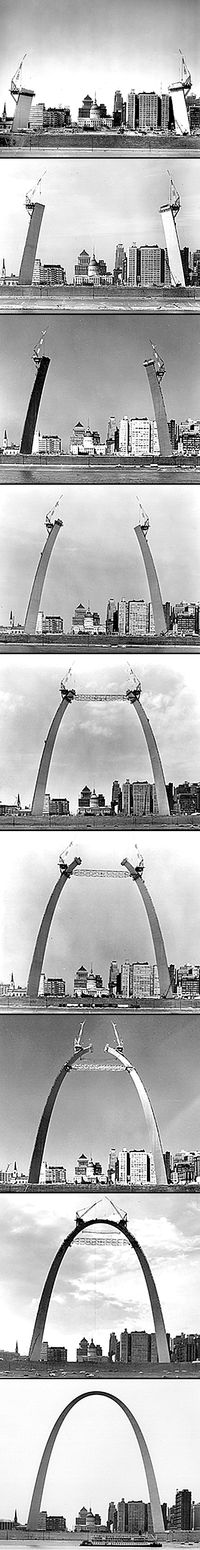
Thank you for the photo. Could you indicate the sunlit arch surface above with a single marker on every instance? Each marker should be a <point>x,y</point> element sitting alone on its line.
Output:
<point>154,1138</point>
<point>81,1226</point>
<point>39,579</point>
<point>156,1510</point>
<point>153,583</point>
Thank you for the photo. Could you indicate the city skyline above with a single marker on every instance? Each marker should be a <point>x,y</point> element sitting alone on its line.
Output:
<point>173,1089</point>
<point>29,879</point>
<point>99,742</point>
<point>101,213</point>
<point>109,54</point>
<point>73,575</point>
<point>84,381</point>
<point>112,1470</point>
<point>98,1288</point>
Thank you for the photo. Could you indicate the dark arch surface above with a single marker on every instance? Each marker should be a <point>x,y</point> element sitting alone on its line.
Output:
<point>156,1510</point>
<point>81,1226</point>
<point>33,407</point>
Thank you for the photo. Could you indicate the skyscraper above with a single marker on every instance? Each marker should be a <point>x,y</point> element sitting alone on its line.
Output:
<point>131,104</point>
<point>132,264</point>
<point>124,436</point>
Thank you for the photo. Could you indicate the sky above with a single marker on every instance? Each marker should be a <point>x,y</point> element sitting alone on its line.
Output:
<point>97,742</point>
<point>100,1287</point>
<point>98,525</point>
<point>97,1110</point>
<point>96,370</point>
<point>104,209</point>
<point>114,1468</point>
<point>71,50</point>
<point>95,923</point>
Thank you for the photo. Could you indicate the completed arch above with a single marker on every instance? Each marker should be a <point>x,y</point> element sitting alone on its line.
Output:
<point>153,583</point>
<point>159,946</point>
<point>43,933</point>
<point>156,1510</point>
<point>154,1138</point>
<point>32,611</point>
<point>81,1226</point>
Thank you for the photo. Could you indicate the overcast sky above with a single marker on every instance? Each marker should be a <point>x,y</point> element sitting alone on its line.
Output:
<point>97,742</point>
<point>107,204</point>
<point>167,1413</point>
<point>95,1110</point>
<point>100,1287</point>
<point>72,50</point>
<point>89,924</point>
<point>97,523</point>
<point>96,370</point>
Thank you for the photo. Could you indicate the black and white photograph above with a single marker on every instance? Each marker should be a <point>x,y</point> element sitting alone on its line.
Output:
<point>57,1455</point>
<point>70,1124</point>
<point>53,231</point>
<point>100,773</point>
<point>148,547</point>
<point>102,1288</point>
<point>87,401</point>
<point>100,80</point>
<point>46,938</point>
<point>79,736</point>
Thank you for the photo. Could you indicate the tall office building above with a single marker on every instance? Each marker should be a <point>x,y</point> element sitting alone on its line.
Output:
<point>165,112</point>
<point>183,1510</point>
<point>132,264</point>
<point>148,111</point>
<point>124,436</point>
<point>126,798</point>
<point>140,437</point>
<point>125,981</point>
<point>131,105</point>
<point>142,1170</point>
<point>138,617</point>
<point>121,260</point>
<point>123,616</point>
<point>141,981</point>
<point>144,799</point>
<point>122,1516</point>
<point>124,1346</point>
<point>137,1517</point>
<point>111,615</point>
<point>139,1348</point>
<point>150,261</point>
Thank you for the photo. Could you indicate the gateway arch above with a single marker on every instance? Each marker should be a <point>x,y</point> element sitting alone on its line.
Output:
<point>66,871</point>
<point>156,1510</point>
<point>153,1134</point>
<point>81,1226</point>
<point>155,370</point>
<point>30,622</point>
<point>42,363</point>
<point>141,530</point>
<point>35,971</point>
<point>132,697</point>
<point>156,933</point>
